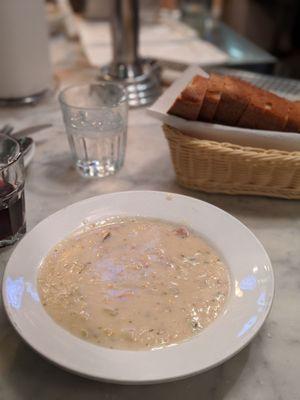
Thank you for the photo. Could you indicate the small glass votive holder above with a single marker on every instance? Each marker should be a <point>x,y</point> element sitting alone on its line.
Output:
<point>95,117</point>
<point>12,202</point>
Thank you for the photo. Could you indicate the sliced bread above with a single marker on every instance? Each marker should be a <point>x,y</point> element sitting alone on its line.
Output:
<point>231,101</point>
<point>293,121</point>
<point>265,111</point>
<point>212,98</point>
<point>188,104</point>
<point>235,97</point>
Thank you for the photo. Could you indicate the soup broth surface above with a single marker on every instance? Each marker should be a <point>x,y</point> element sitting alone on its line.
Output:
<point>133,283</point>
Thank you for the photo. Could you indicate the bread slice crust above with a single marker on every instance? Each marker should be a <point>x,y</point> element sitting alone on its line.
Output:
<point>188,104</point>
<point>235,97</point>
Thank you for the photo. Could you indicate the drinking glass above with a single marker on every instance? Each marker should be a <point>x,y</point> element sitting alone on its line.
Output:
<point>12,203</point>
<point>95,117</point>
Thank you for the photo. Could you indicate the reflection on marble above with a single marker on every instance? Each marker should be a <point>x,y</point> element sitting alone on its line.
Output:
<point>268,369</point>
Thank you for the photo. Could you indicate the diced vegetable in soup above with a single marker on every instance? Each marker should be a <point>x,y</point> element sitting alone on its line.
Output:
<point>133,283</point>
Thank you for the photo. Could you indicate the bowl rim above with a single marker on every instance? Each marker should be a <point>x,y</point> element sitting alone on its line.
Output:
<point>141,380</point>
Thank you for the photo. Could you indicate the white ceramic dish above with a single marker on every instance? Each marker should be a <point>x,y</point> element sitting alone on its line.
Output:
<point>248,305</point>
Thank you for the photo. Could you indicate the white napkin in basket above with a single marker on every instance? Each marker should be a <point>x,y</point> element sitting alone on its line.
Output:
<point>219,133</point>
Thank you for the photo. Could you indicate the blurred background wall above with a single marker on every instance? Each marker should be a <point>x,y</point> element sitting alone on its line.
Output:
<point>271,24</point>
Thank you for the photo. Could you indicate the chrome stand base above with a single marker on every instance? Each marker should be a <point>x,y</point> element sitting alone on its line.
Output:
<point>142,88</point>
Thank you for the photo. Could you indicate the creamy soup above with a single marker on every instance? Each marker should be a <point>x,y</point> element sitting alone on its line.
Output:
<point>133,283</point>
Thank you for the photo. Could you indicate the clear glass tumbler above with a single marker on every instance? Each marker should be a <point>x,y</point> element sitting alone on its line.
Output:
<point>95,117</point>
<point>12,203</point>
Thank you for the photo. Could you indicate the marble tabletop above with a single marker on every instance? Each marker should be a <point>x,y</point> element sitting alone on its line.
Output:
<point>267,369</point>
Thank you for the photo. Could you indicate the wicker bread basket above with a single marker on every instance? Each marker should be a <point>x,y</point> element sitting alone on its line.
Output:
<point>227,168</point>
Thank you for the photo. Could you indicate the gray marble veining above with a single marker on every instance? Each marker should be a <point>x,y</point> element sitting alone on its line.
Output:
<point>268,369</point>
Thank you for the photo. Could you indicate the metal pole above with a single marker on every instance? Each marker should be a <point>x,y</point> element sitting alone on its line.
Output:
<point>141,77</point>
<point>125,35</point>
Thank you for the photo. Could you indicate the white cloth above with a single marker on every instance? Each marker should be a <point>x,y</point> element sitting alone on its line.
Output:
<point>172,41</point>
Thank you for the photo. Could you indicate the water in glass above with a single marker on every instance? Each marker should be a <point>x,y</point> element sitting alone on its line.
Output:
<point>97,141</point>
<point>95,117</point>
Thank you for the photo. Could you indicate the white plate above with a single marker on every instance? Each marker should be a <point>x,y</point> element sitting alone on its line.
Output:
<point>248,305</point>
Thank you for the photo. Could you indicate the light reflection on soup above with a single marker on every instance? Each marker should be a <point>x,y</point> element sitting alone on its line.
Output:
<point>133,283</point>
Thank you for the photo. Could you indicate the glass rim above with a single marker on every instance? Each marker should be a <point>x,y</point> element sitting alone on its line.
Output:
<point>104,83</point>
<point>18,154</point>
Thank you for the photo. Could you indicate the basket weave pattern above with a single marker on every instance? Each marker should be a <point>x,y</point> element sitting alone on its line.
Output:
<point>227,168</point>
